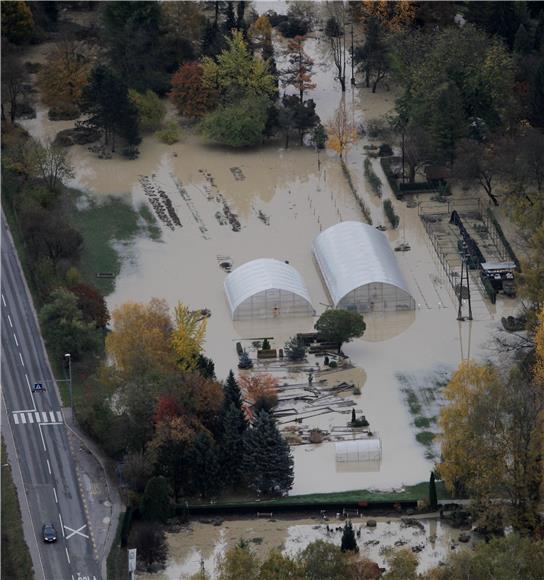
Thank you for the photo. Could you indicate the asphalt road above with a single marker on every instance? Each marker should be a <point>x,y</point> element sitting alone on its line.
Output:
<point>37,424</point>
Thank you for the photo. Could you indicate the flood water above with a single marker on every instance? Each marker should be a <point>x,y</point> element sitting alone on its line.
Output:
<point>203,544</point>
<point>281,199</point>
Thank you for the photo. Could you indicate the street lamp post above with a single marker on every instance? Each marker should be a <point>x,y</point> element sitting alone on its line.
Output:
<point>68,357</point>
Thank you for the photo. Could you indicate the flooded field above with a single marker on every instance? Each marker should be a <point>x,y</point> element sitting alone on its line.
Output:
<point>214,203</point>
<point>200,543</point>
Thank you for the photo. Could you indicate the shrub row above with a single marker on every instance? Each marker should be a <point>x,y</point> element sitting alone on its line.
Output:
<point>359,199</point>
<point>374,181</point>
<point>390,213</point>
<point>386,163</point>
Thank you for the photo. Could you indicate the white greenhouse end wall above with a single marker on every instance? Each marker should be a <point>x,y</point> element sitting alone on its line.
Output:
<point>360,269</point>
<point>267,288</point>
<point>358,450</point>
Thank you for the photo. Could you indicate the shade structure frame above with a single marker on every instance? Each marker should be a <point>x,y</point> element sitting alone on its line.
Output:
<point>267,288</point>
<point>360,269</point>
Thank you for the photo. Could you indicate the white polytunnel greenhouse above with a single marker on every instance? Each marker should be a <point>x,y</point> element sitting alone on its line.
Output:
<point>358,450</point>
<point>360,269</point>
<point>267,288</point>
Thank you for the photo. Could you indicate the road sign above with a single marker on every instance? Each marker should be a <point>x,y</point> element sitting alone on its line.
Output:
<point>38,387</point>
<point>132,560</point>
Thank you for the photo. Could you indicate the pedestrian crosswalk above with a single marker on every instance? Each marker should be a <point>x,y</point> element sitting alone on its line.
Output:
<point>42,417</point>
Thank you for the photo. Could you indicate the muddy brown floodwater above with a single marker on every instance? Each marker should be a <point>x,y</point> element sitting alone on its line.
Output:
<point>271,202</point>
<point>203,544</point>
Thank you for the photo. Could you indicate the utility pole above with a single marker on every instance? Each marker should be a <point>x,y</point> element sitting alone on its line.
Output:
<point>460,307</point>
<point>352,54</point>
<point>68,357</point>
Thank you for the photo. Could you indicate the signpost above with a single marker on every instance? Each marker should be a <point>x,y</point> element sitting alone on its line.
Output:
<point>38,387</point>
<point>132,562</point>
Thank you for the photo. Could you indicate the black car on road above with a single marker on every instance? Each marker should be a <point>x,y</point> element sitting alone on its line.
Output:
<point>49,533</point>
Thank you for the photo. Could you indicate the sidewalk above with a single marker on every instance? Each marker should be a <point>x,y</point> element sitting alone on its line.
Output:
<point>98,489</point>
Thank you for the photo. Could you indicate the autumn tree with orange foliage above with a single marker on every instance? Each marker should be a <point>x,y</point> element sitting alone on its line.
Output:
<point>261,390</point>
<point>190,96</point>
<point>393,16</point>
<point>140,340</point>
<point>63,76</point>
<point>340,132</point>
<point>260,33</point>
<point>299,72</point>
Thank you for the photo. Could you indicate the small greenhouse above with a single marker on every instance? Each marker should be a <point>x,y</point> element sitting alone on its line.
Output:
<point>267,288</point>
<point>358,450</point>
<point>360,270</point>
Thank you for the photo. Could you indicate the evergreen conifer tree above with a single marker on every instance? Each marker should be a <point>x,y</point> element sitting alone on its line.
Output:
<point>233,394</point>
<point>267,458</point>
<point>232,446</point>
<point>206,467</point>
<point>433,501</point>
<point>155,504</point>
<point>349,543</point>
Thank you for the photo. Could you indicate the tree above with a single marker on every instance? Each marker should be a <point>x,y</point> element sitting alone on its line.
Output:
<point>335,31</point>
<point>189,95</point>
<point>402,565</point>
<point>151,110</point>
<point>483,163</point>
<point>536,95</point>
<point>238,74</point>
<point>261,386</point>
<point>238,562</point>
<point>140,338</point>
<point>374,53</point>
<point>14,80</point>
<point>340,132</point>
<point>245,361</point>
<point>207,476</point>
<point>137,470</point>
<point>91,303</point>
<point>63,76</point>
<point>17,22</point>
<point>324,560</point>
<point>232,444</point>
<point>299,72</point>
<point>64,328</point>
<point>151,546</point>
<point>433,501</point>
<point>349,543</point>
<point>105,99</point>
<point>417,149</point>
<point>233,394</point>
<point>278,565</point>
<point>267,460</point>
<point>240,125</point>
<point>394,17</point>
<point>51,163</point>
<point>295,349</point>
<point>260,34</point>
<point>297,115</point>
<point>205,366</point>
<point>339,326</point>
<point>188,336</point>
<point>156,500</point>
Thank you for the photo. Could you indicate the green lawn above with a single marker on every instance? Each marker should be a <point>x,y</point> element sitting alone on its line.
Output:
<point>16,562</point>
<point>101,225</point>
<point>410,493</point>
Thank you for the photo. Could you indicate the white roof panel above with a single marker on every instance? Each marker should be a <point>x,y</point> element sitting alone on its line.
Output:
<point>260,275</point>
<point>352,254</point>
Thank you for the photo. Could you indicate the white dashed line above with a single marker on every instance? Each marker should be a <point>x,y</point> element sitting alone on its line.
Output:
<point>27,381</point>
<point>3,300</point>
<point>59,416</point>
<point>21,357</point>
<point>61,525</point>
<point>49,467</point>
<point>67,555</point>
<point>16,341</point>
<point>55,494</point>
<point>9,320</point>
<point>43,440</point>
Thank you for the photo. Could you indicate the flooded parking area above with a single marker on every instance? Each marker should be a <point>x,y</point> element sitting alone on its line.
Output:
<point>202,544</point>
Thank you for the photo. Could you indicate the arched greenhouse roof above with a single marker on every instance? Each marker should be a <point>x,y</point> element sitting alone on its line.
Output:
<point>261,275</point>
<point>353,254</point>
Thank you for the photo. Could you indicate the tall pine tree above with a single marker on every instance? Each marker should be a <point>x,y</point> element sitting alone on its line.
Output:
<point>232,391</point>
<point>349,543</point>
<point>267,460</point>
<point>232,445</point>
<point>205,465</point>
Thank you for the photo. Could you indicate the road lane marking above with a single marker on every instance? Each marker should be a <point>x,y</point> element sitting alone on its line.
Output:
<point>27,380</point>
<point>38,418</point>
<point>16,419</point>
<point>16,341</point>
<point>59,416</point>
<point>44,415</point>
<point>78,532</point>
<point>62,526</point>
<point>30,417</point>
<point>55,494</point>
<point>9,319</point>
<point>3,300</point>
<point>43,440</point>
<point>23,418</point>
<point>48,466</point>
<point>21,357</point>
<point>67,555</point>
<point>52,415</point>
